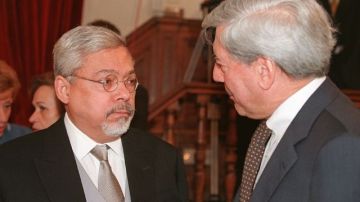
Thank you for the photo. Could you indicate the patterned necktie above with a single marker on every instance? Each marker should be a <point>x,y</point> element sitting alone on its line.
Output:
<point>253,159</point>
<point>108,185</point>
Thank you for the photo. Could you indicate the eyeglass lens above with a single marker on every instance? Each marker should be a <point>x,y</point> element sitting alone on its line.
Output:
<point>111,83</point>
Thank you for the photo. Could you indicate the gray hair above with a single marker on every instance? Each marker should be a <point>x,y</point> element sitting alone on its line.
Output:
<point>296,34</point>
<point>79,42</point>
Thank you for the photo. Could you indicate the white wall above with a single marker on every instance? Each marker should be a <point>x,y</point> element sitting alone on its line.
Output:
<point>129,14</point>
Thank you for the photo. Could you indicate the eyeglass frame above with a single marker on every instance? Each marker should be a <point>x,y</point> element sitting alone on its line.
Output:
<point>117,81</point>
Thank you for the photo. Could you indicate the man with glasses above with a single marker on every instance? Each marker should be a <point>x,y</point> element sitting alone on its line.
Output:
<point>91,154</point>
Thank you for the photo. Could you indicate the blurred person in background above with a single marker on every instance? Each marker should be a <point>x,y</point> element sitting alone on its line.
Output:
<point>9,87</point>
<point>47,107</point>
<point>345,60</point>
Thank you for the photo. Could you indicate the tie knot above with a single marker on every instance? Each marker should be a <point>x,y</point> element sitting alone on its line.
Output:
<point>262,133</point>
<point>100,152</point>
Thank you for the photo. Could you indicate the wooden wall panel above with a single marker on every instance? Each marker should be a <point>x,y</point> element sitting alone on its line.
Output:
<point>162,48</point>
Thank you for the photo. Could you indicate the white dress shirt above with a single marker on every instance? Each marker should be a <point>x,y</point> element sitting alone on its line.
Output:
<point>280,120</point>
<point>82,145</point>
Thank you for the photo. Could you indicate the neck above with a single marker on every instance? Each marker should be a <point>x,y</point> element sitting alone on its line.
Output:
<point>283,90</point>
<point>104,138</point>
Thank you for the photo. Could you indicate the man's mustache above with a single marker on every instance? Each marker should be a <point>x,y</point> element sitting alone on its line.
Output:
<point>121,107</point>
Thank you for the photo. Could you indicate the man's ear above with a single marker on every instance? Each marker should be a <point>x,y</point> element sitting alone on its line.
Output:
<point>265,69</point>
<point>62,89</point>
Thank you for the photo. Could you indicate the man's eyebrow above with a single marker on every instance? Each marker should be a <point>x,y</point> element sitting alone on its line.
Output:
<point>131,72</point>
<point>106,71</point>
<point>113,71</point>
<point>128,74</point>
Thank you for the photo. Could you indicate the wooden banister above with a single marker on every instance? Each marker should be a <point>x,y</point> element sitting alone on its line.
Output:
<point>231,156</point>
<point>173,96</point>
<point>201,145</point>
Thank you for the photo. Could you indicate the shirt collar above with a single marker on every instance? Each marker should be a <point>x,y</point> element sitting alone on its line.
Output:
<point>286,112</point>
<point>82,144</point>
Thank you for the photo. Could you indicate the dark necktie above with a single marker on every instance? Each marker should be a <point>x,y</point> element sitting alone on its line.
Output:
<point>253,159</point>
<point>108,185</point>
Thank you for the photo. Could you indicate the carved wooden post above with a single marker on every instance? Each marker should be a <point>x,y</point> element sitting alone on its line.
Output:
<point>214,116</point>
<point>231,157</point>
<point>201,151</point>
<point>170,122</point>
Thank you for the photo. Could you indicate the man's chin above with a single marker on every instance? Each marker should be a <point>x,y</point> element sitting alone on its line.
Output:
<point>116,132</point>
<point>116,128</point>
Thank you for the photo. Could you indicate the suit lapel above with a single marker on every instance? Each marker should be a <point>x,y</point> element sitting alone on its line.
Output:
<point>285,154</point>
<point>56,166</point>
<point>139,160</point>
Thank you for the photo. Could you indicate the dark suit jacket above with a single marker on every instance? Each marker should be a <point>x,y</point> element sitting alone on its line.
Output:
<point>41,167</point>
<point>141,109</point>
<point>318,158</point>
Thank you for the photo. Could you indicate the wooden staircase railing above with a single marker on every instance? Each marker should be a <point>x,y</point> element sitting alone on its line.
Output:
<point>186,88</point>
<point>212,173</point>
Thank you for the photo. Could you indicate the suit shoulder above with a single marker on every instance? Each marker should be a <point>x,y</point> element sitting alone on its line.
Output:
<point>345,113</point>
<point>19,129</point>
<point>22,146</point>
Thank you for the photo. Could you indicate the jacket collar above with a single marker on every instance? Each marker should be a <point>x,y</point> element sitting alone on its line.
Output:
<point>285,154</point>
<point>56,165</point>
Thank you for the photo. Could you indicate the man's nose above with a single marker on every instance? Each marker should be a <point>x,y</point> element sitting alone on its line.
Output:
<point>122,93</point>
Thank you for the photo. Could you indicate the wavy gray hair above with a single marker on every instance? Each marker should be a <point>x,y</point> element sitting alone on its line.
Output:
<point>296,34</point>
<point>79,42</point>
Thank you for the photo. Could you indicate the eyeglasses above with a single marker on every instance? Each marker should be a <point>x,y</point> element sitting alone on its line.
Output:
<point>111,82</point>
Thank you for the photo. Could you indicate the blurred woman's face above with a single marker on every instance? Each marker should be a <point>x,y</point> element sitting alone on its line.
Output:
<point>6,100</point>
<point>46,110</point>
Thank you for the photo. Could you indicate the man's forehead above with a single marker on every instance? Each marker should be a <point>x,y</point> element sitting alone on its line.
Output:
<point>115,72</point>
<point>102,62</point>
<point>121,52</point>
